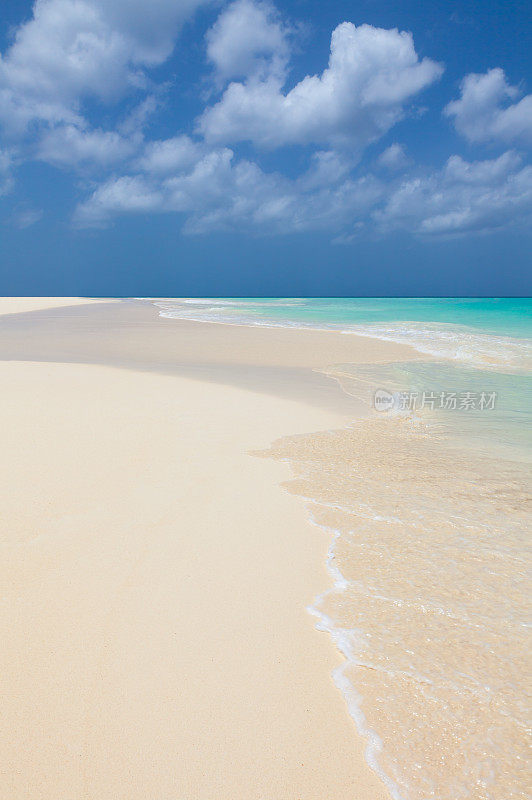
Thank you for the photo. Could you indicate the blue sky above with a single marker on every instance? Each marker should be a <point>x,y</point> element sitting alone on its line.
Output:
<point>202,147</point>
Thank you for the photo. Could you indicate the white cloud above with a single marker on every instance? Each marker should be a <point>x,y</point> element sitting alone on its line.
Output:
<point>6,163</point>
<point>169,156</point>
<point>248,39</point>
<point>26,217</point>
<point>127,194</point>
<point>463,197</point>
<point>327,167</point>
<point>72,50</point>
<point>488,173</point>
<point>215,191</point>
<point>150,26</point>
<point>485,112</point>
<point>69,145</point>
<point>66,53</point>
<point>81,147</point>
<point>212,190</point>
<point>393,158</point>
<point>371,74</point>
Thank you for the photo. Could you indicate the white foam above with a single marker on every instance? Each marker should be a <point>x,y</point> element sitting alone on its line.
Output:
<point>343,640</point>
<point>442,340</point>
<point>454,343</point>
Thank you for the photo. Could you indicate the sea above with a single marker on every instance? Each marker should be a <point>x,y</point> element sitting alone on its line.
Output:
<point>426,501</point>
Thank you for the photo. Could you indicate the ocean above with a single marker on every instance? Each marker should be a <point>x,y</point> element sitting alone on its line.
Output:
<point>426,501</point>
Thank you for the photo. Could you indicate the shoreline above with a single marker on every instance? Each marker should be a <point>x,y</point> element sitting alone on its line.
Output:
<point>280,393</point>
<point>92,667</point>
<point>414,599</point>
<point>452,342</point>
<point>281,362</point>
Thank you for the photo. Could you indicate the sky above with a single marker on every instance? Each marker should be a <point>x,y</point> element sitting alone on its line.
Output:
<point>246,148</point>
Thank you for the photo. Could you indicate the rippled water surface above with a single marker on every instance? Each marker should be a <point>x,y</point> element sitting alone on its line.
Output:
<point>478,331</point>
<point>430,560</point>
<point>428,514</point>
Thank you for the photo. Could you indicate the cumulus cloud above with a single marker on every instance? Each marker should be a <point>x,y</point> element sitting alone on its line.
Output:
<point>248,39</point>
<point>77,60</point>
<point>485,111</point>
<point>216,191</point>
<point>371,74</point>
<point>68,55</point>
<point>169,156</point>
<point>393,158</point>
<point>151,27</point>
<point>71,50</point>
<point>212,190</point>
<point>69,145</point>
<point>127,194</point>
<point>463,197</point>
<point>327,167</point>
<point>81,148</point>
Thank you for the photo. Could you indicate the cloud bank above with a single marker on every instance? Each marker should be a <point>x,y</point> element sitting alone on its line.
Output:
<point>81,82</point>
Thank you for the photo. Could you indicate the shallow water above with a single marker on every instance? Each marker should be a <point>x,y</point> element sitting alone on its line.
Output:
<point>506,316</point>
<point>428,509</point>
<point>429,559</point>
<point>491,409</point>
<point>478,331</point>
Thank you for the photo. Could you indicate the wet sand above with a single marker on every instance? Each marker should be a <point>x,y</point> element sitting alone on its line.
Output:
<point>155,576</point>
<point>428,600</point>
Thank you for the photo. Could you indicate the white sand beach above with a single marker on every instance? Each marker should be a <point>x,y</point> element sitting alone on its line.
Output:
<point>16,305</point>
<point>155,579</point>
<point>158,570</point>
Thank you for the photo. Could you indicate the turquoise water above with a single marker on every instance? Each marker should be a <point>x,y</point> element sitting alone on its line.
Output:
<point>474,345</point>
<point>426,510</point>
<point>496,316</point>
<point>485,332</point>
<point>506,426</point>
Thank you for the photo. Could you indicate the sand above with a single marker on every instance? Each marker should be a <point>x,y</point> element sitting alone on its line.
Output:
<point>430,597</point>
<point>155,576</point>
<point>16,305</point>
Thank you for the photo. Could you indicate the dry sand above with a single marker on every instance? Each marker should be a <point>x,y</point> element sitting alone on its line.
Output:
<point>15,305</point>
<point>155,577</point>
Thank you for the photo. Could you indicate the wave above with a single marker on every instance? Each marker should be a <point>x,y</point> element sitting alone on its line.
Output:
<point>343,641</point>
<point>442,340</point>
<point>455,343</point>
<point>426,604</point>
